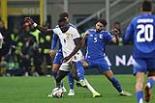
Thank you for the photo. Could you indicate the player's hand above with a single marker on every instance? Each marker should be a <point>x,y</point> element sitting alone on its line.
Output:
<point>52,53</point>
<point>85,64</point>
<point>115,31</point>
<point>29,20</point>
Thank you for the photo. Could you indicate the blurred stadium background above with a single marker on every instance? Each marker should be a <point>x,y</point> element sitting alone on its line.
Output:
<point>83,14</point>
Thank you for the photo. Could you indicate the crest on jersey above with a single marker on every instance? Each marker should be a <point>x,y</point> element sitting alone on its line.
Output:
<point>100,36</point>
<point>68,34</point>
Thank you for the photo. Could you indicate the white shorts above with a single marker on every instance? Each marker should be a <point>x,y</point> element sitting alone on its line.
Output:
<point>64,67</point>
<point>77,57</point>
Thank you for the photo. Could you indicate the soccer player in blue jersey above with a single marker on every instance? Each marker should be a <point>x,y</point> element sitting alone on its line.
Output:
<point>141,31</point>
<point>95,41</point>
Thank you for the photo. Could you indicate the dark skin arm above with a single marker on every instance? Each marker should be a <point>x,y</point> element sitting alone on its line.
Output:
<point>78,44</point>
<point>43,29</point>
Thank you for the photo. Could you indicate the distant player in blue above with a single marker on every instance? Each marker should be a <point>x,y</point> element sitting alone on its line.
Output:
<point>95,41</point>
<point>141,31</point>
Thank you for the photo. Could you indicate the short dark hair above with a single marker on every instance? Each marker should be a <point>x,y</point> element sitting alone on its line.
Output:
<point>63,15</point>
<point>146,5</point>
<point>102,21</point>
<point>61,20</point>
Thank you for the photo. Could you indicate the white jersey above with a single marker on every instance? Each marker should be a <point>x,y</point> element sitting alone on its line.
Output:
<point>67,42</point>
<point>1,40</point>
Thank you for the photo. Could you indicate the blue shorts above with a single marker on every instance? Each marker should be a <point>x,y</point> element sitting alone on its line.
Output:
<point>143,65</point>
<point>58,57</point>
<point>101,64</point>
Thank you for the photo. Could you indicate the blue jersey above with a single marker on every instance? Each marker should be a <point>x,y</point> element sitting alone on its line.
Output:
<point>54,42</point>
<point>141,31</point>
<point>96,42</point>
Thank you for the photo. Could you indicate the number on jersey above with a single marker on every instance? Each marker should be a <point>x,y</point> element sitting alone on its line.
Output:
<point>147,31</point>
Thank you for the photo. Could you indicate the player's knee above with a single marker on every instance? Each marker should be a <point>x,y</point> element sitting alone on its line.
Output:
<point>109,74</point>
<point>139,86</point>
<point>55,68</point>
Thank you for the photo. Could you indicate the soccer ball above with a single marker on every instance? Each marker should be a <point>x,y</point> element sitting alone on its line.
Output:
<point>57,92</point>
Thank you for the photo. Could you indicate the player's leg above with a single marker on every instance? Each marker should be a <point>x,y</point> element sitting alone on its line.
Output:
<point>60,76</point>
<point>63,71</point>
<point>91,89</point>
<point>148,87</point>
<point>55,68</point>
<point>83,81</point>
<point>116,84</point>
<point>71,84</point>
<point>151,79</point>
<point>105,69</point>
<point>80,70</point>
<point>139,86</point>
<point>139,71</point>
<point>113,80</point>
<point>56,65</point>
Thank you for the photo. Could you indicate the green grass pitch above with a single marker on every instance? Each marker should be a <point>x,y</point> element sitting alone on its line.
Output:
<point>36,89</point>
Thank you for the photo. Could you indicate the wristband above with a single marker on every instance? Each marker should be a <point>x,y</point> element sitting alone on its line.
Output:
<point>35,24</point>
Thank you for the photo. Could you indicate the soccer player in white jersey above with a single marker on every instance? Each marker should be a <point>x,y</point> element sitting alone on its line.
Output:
<point>59,56</point>
<point>71,42</point>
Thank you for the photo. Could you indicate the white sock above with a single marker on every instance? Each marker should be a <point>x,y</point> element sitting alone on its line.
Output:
<point>90,88</point>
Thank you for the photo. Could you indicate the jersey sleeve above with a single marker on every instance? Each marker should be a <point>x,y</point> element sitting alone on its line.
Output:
<point>76,34</point>
<point>108,36</point>
<point>55,31</point>
<point>54,41</point>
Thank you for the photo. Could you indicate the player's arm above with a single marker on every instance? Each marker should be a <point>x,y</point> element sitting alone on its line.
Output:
<point>78,44</point>
<point>52,52</point>
<point>84,38</point>
<point>43,29</point>
<point>128,36</point>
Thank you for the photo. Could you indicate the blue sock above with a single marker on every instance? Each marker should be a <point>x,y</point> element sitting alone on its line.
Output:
<point>116,84</point>
<point>150,82</point>
<point>70,81</point>
<point>139,96</point>
<point>80,70</point>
